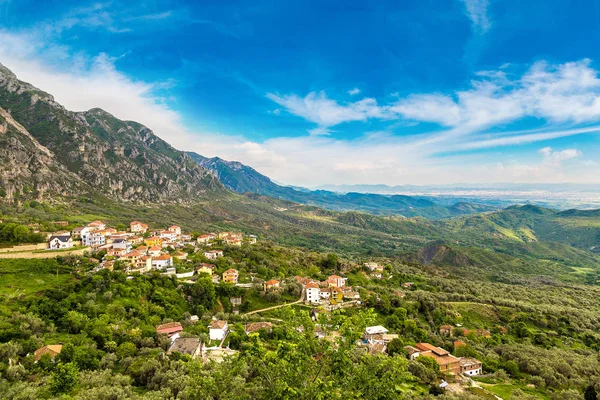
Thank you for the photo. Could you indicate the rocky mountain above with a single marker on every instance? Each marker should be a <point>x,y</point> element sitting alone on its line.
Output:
<point>239,177</point>
<point>47,149</point>
<point>29,166</point>
<point>244,179</point>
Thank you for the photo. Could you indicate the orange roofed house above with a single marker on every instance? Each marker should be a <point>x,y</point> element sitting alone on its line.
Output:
<point>175,229</point>
<point>270,285</point>
<point>52,349</point>
<point>138,227</point>
<point>97,225</point>
<point>470,366</point>
<point>231,276</point>
<point>169,328</point>
<point>336,281</point>
<point>205,268</point>
<point>447,362</point>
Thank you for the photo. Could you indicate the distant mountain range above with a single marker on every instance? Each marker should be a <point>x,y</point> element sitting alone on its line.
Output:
<point>244,179</point>
<point>387,189</point>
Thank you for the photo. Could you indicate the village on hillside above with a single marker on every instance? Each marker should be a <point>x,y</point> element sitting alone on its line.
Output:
<point>142,250</point>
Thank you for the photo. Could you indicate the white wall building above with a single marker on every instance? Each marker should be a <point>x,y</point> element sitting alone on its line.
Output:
<point>60,242</point>
<point>217,330</point>
<point>122,244</point>
<point>162,262</point>
<point>313,293</point>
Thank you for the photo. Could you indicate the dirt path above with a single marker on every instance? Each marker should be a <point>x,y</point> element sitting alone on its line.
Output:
<point>279,306</point>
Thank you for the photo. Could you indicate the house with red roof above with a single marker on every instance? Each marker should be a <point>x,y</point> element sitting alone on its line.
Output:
<point>169,329</point>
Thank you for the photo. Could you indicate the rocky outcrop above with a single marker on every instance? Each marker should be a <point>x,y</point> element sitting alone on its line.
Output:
<point>28,169</point>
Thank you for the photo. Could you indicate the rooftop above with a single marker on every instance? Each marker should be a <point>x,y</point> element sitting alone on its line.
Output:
<point>256,326</point>
<point>188,345</point>
<point>217,324</point>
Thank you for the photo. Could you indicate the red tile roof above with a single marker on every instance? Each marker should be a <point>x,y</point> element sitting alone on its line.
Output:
<point>169,328</point>
<point>217,324</point>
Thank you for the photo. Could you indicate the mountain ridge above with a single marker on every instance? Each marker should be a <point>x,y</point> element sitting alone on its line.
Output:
<point>244,179</point>
<point>104,155</point>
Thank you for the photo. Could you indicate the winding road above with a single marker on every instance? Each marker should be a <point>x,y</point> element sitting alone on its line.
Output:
<point>279,306</point>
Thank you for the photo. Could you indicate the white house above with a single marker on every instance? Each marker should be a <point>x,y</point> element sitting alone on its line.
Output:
<point>97,225</point>
<point>375,330</point>
<point>155,251</point>
<point>168,235</point>
<point>122,244</point>
<point>162,261</point>
<point>81,231</point>
<point>93,239</point>
<point>313,293</point>
<point>213,254</point>
<point>60,242</point>
<point>175,229</point>
<point>217,330</point>
<point>470,366</point>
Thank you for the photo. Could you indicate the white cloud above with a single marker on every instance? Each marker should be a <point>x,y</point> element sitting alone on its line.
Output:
<point>509,138</point>
<point>565,95</point>
<point>556,157</point>
<point>354,91</point>
<point>477,13</point>
<point>325,112</point>
<point>80,83</point>
<point>150,17</point>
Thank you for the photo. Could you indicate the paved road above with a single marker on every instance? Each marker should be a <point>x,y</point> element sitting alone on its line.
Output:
<point>279,306</point>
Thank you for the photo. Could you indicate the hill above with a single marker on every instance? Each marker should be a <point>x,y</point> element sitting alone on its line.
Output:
<point>49,150</point>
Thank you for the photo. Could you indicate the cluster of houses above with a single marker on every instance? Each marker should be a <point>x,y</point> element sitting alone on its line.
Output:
<point>375,269</point>
<point>333,291</point>
<point>142,249</point>
<point>193,346</point>
<point>376,338</point>
<point>229,238</point>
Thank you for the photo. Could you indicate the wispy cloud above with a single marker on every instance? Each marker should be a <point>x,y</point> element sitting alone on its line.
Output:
<point>565,96</point>
<point>354,91</point>
<point>150,17</point>
<point>325,112</point>
<point>477,12</point>
<point>523,137</point>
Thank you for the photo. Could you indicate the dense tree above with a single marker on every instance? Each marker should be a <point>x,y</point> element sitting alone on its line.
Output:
<point>64,378</point>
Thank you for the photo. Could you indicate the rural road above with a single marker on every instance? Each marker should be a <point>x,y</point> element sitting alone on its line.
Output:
<point>279,306</point>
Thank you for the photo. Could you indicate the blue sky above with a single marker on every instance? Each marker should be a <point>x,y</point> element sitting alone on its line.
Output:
<point>318,92</point>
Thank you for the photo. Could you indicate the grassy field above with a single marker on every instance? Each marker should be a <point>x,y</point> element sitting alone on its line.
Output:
<point>475,314</point>
<point>22,277</point>
<point>78,251</point>
<point>506,390</point>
